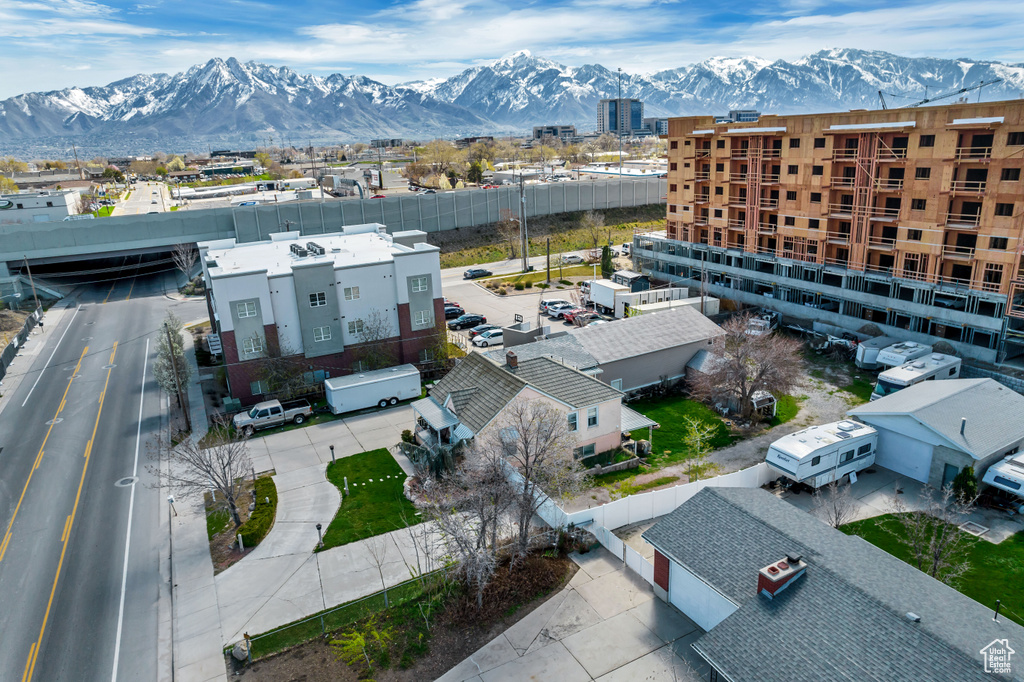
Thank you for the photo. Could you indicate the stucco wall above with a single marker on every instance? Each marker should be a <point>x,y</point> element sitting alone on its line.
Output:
<point>648,369</point>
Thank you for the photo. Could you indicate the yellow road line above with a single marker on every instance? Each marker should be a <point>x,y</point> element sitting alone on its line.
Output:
<point>31,650</point>
<point>39,457</point>
<point>111,290</point>
<point>34,651</point>
<point>131,289</point>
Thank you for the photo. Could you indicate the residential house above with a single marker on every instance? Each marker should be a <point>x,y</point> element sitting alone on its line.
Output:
<point>784,597</point>
<point>471,398</point>
<point>932,430</point>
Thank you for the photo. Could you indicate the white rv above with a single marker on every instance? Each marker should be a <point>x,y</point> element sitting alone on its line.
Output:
<point>821,454</point>
<point>934,367</point>
<point>902,353</point>
<point>867,351</point>
<point>1007,474</point>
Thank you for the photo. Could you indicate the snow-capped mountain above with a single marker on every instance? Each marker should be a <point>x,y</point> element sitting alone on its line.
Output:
<point>224,99</point>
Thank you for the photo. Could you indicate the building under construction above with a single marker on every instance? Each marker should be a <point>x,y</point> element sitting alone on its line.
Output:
<point>910,219</point>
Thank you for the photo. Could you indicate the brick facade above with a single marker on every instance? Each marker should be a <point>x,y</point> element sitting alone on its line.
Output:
<point>661,570</point>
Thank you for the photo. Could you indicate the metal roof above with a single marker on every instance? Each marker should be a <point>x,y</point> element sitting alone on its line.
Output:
<point>632,420</point>
<point>647,333</point>
<point>434,414</point>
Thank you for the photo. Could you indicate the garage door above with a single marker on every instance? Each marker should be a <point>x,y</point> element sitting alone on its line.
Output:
<point>904,455</point>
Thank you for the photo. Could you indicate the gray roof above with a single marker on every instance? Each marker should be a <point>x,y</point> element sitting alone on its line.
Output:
<point>434,414</point>
<point>703,361</point>
<point>564,383</point>
<point>479,390</point>
<point>632,420</point>
<point>566,349</point>
<point>993,412</point>
<point>843,620</point>
<point>647,333</point>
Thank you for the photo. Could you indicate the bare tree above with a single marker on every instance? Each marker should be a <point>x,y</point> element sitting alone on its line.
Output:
<point>507,228</point>
<point>699,435</point>
<point>282,369</point>
<point>592,224</point>
<point>834,504</point>
<point>184,257</point>
<point>193,470</point>
<point>744,364</point>
<point>377,345</point>
<point>931,533</point>
<point>377,547</point>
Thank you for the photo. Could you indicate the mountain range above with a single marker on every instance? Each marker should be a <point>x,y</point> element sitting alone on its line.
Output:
<point>235,102</point>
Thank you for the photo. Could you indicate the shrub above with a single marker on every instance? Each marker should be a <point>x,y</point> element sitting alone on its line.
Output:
<point>965,485</point>
<point>542,285</point>
<point>261,520</point>
<point>407,436</point>
<point>529,285</point>
<point>502,292</point>
<point>520,286</point>
<point>565,281</point>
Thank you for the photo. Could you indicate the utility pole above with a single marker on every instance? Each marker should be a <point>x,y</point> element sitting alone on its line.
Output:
<point>78,164</point>
<point>31,282</point>
<point>522,222</point>
<point>549,260</point>
<point>177,378</point>
<point>618,125</point>
<point>380,167</point>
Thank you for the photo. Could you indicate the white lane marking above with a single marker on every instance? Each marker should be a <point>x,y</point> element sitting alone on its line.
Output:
<point>51,356</point>
<point>131,509</point>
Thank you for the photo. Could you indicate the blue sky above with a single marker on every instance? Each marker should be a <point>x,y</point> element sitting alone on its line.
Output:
<point>52,44</point>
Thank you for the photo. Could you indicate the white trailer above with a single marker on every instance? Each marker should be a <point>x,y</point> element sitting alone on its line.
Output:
<point>932,368</point>
<point>821,454</point>
<point>381,387</point>
<point>1008,475</point>
<point>867,351</point>
<point>901,353</point>
<point>603,293</point>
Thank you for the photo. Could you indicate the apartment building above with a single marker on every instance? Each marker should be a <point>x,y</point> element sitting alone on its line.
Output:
<point>910,219</point>
<point>562,132</point>
<point>620,116</point>
<point>36,207</point>
<point>324,298</point>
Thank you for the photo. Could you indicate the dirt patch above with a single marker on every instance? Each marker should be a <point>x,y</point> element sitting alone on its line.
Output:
<point>456,633</point>
<point>12,320</point>
<point>224,544</point>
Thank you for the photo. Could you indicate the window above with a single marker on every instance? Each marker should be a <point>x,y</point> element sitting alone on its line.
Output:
<point>789,221</point>
<point>351,293</point>
<point>322,334</point>
<point>815,461</point>
<point>864,449</point>
<point>673,166</point>
<point>247,309</point>
<point>1010,174</point>
<point>591,417</point>
<point>674,144</point>
<point>418,284</point>
<point>794,143</point>
<point>1015,139</point>
<point>426,354</point>
<point>719,167</point>
<point>792,170</point>
<point>258,387</point>
<point>573,425</point>
<point>914,235</point>
<point>686,187</point>
<point>952,371</point>
<point>817,170</point>
<point>813,223</point>
<point>927,141</point>
<point>721,143</point>
<point>318,299</point>
<point>922,173</point>
<point>718,213</point>
<point>819,143</point>
<point>252,345</point>
<point>790,195</point>
<point>846,456</point>
<point>918,204</point>
<point>585,451</point>
<point>718,191</point>
<point>673,188</point>
<point>421,317</point>
<point>355,327</point>
<point>1004,209</point>
<point>815,197</point>
<point>617,384</point>
<point>671,208</point>
<point>997,243</point>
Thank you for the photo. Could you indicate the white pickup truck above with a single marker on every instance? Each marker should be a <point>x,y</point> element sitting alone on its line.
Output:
<point>272,413</point>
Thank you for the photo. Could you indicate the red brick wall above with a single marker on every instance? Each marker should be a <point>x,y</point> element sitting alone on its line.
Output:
<point>661,570</point>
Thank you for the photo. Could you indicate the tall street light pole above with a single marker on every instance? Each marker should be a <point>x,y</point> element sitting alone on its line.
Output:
<point>618,124</point>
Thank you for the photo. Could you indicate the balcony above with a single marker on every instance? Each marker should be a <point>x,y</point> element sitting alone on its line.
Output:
<point>700,219</point>
<point>884,243</point>
<point>837,237</point>
<point>702,153</point>
<point>844,154</point>
<point>884,213</point>
<point>842,182</point>
<point>771,153</point>
<point>973,153</point>
<point>738,201</point>
<point>702,198</point>
<point>963,221</point>
<point>891,154</point>
<point>842,210</point>
<point>739,154</point>
<point>889,184</point>
<point>703,176</point>
<point>737,177</point>
<point>735,224</point>
<point>958,252</point>
<point>769,179</point>
<point>768,204</point>
<point>767,228</point>
<point>968,187</point>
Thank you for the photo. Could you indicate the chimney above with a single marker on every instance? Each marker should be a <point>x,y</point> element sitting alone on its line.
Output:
<point>963,425</point>
<point>512,359</point>
<point>777,576</point>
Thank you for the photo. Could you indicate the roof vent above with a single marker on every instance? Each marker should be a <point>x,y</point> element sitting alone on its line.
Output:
<point>910,344</point>
<point>936,357</point>
<point>913,617</point>
<point>917,365</point>
<point>847,425</point>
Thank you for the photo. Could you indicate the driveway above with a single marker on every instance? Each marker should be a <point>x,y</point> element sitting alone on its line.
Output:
<point>604,625</point>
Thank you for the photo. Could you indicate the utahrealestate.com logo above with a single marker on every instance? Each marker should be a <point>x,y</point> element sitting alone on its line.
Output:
<point>997,657</point>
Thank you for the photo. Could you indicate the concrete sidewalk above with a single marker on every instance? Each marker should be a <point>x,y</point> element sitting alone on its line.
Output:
<point>604,625</point>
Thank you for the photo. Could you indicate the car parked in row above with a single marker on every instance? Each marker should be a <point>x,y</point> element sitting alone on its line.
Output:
<point>558,312</point>
<point>467,321</point>
<point>481,328</point>
<point>476,273</point>
<point>580,316</point>
<point>547,303</point>
<point>453,311</point>
<point>572,259</point>
<point>488,338</point>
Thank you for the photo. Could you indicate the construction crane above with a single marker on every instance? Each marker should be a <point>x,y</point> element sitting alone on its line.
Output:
<point>977,86</point>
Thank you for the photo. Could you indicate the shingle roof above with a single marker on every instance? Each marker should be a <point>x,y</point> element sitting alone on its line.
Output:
<point>647,333</point>
<point>843,620</point>
<point>564,383</point>
<point>566,349</point>
<point>993,412</point>
<point>703,361</point>
<point>479,390</point>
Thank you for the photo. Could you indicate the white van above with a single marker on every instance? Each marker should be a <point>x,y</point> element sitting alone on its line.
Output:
<point>821,454</point>
<point>627,248</point>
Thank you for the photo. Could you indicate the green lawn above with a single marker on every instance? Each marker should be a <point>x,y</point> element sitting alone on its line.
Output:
<point>787,407</point>
<point>103,211</point>
<point>997,571</point>
<point>667,446</point>
<point>375,503</point>
<point>541,274</point>
<point>216,521</point>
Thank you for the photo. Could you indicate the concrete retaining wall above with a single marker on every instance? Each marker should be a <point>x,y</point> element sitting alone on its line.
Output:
<point>1011,382</point>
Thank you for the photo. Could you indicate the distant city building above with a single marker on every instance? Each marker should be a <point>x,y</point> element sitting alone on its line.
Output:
<point>657,126</point>
<point>385,143</point>
<point>620,116</point>
<point>36,207</point>
<point>559,131</point>
<point>466,141</point>
<point>739,116</point>
<point>250,154</point>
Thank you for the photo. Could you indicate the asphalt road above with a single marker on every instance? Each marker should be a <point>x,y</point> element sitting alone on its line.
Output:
<point>142,198</point>
<point>77,581</point>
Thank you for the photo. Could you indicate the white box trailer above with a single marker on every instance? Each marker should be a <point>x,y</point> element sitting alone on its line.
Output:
<point>821,454</point>
<point>902,353</point>
<point>381,387</point>
<point>867,351</point>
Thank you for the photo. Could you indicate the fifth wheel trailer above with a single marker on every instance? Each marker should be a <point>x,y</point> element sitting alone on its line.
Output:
<point>381,387</point>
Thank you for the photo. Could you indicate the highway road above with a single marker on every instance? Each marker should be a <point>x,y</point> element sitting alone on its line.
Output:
<point>79,516</point>
<point>142,199</point>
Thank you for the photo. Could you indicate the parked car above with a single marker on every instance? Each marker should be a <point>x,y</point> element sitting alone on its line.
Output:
<point>488,338</point>
<point>585,319</point>
<point>378,196</point>
<point>467,321</point>
<point>572,259</point>
<point>448,303</point>
<point>429,191</point>
<point>453,311</point>
<point>476,273</point>
<point>558,311</point>
<point>272,413</point>
<point>614,250</point>
<point>481,328</point>
<point>577,314</point>
<point>488,187</point>
<point>153,202</point>
<point>547,303</point>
